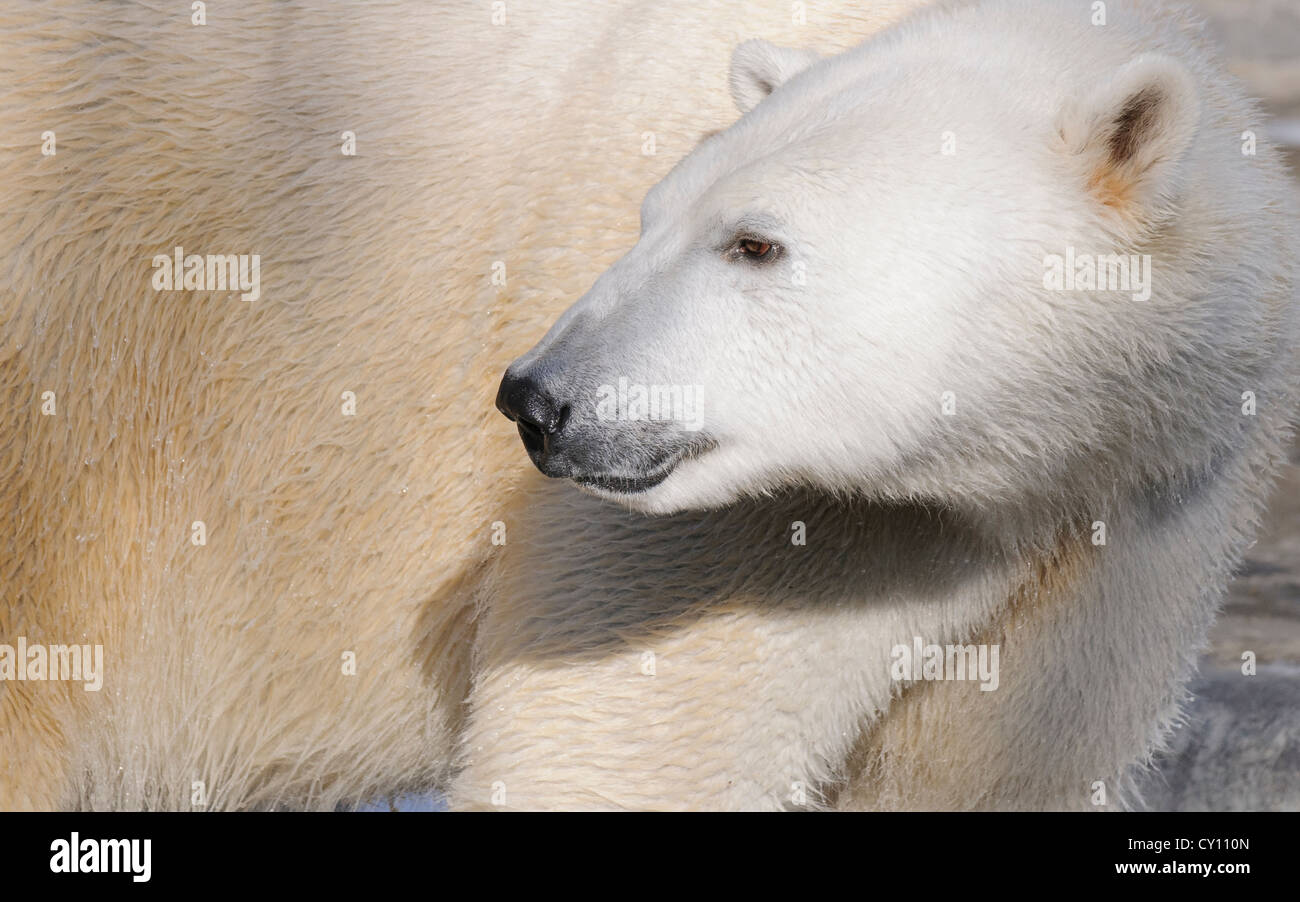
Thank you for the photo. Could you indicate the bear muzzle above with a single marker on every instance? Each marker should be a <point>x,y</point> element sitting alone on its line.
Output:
<point>608,457</point>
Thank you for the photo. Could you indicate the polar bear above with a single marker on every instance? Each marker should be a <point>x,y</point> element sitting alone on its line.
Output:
<point>277,516</point>
<point>979,334</point>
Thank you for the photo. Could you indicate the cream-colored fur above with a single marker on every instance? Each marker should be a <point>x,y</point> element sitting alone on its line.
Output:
<point>520,143</point>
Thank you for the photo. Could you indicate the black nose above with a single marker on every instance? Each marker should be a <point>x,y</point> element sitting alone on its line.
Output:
<point>539,417</point>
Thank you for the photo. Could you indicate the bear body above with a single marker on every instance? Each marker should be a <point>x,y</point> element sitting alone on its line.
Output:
<point>308,643</point>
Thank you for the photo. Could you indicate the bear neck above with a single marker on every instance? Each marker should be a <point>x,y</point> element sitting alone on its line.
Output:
<point>1099,615</point>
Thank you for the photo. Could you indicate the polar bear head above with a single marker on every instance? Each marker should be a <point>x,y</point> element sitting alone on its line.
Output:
<point>854,287</point>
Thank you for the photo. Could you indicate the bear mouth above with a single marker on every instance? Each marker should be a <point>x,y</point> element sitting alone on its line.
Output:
<point>623,485</point>
<point>642,482</point>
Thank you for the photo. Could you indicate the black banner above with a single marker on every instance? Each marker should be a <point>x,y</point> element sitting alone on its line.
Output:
<point>1149,852</point>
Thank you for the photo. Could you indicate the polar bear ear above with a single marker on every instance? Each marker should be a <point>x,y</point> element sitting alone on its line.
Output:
<point>758,68</point>
<point>1131,135</point>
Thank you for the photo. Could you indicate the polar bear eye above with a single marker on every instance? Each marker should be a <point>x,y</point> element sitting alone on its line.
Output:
<point>755,249</point>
